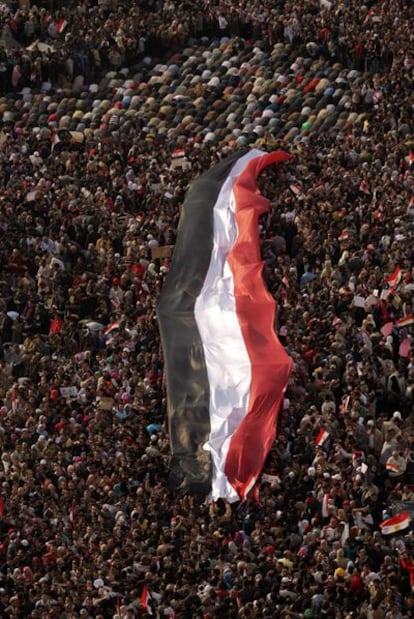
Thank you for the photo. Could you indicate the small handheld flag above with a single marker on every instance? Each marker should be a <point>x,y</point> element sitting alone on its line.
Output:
<point>145,600</point>
<point>399,522</point>
<point>394,279</point>
<point>322,437</point>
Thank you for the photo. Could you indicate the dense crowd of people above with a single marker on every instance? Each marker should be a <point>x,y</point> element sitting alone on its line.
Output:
<point>108,111</point>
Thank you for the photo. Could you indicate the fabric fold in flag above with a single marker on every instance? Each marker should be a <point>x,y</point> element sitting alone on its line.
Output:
<point>399,522</point>
<point>226,371</point>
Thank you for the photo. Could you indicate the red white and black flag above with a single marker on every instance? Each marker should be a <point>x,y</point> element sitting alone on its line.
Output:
<point>396,523</point>
<point>145,599</point>
<point>406,321</point>
<point>61,25</point>
<point>322,437</point>
<point>54,139</point>
<point>394,279</point>
<point>226,371</point>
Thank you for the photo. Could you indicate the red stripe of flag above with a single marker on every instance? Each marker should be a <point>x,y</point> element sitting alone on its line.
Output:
<point>270,365</point>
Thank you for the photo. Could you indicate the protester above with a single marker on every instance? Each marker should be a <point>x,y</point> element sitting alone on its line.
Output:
<point>103,127</point>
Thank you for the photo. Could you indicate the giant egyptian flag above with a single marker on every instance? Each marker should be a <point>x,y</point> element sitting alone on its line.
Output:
<point>226,371</point>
